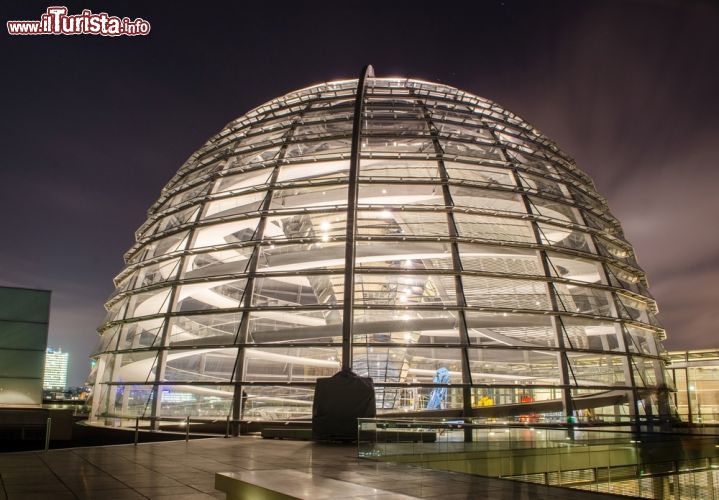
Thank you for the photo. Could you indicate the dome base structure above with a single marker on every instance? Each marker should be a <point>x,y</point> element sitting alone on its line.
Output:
<point>406,230</point>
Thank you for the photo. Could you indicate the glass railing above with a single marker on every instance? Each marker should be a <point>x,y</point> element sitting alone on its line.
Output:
<point>678,464</point>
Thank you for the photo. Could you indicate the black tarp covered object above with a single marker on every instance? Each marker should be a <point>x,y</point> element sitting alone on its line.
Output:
<point>339,401</point>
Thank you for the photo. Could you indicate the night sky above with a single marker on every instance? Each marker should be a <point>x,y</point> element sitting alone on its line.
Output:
<point>93,127</point>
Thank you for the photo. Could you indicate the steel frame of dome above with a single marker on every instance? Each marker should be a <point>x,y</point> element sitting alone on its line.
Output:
<point>463,238</point>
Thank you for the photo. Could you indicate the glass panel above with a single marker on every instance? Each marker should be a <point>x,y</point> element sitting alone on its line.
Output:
<point>309,197</point>
<point>555,210</point>
<point>479,173</point>
<point>204,329</point>
<point>243,180</point>
<point>323,129</point>
<point>461,125</point>
<point>108,340</point>
<point>574,268</point>
<point>314,170</point>
<point>237,205</point>
<point>403,255</point>
<point>223,262</point>
<point>497,259</point>
<point>298,290</point>
<point>485,199</point>
<point>172,220</point>
<point>116,311</point>
<point>472,149</point>
<point>404,289</point>
<point>584,333</point>
<point>595,369</point>
<point>277,403</point>
<point>135,367</point>
<point>396,145</point>
<point>563,237</point>
<point>148,303</point>
<point>295,257</point>
<point>225,233</point>
<point>641,340</point>
<point>504,366</point>
<point>405,326</point>
<point>164,246</point>
<point>401,223</point>
<point>632,308</point>
<point>397,128</point>
<point>510,329</point>
<point>266,136</point>
<point>505,293</point>
<point>291,364</point>
<point>130,400</point>
<point>583,299</point>
<point>406,365</point>
<point>141,334</point>
<point>324,226</point>
<point>334,147</point>
<point>267,327</point>
<point>214,295</point>
<point>621,278</point>
<point>614,251</point>
<point>256,155</point>
<point>544,186</point>
<point>157,273</point>
<point>196,400</point>
<point>493,228</point>
<point>398,169</point>
<point>200,365</point>
<point>400,194</point>
<point>182,196</point>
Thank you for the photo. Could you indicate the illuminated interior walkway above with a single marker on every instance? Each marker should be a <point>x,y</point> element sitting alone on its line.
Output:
<point>186,471</point>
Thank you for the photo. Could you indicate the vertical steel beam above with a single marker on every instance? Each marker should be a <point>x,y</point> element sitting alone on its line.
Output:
<point>352,194</point>
<point>620,333</point>
<point>564,378</point>
<point>248,295</point>
<point>161,358</point>
<point>457,268</point>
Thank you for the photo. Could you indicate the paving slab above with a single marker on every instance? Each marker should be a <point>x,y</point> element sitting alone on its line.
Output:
<point>186,471</point>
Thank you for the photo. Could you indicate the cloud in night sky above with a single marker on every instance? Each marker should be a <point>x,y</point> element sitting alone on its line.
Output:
<point>92,127</point>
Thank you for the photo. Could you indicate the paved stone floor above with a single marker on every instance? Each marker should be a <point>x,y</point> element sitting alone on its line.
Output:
<point>186,472</point>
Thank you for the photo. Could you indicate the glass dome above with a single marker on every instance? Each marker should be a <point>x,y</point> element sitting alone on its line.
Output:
<point>415,233</point>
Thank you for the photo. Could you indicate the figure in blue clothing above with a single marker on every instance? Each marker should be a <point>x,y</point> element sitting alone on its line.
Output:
<point>438,396</point>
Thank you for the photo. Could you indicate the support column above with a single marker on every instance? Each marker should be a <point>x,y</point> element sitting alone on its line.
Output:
<point>457,268</point>
<point>352,195</point>
<point>238,373</point>
<point>557,326</point>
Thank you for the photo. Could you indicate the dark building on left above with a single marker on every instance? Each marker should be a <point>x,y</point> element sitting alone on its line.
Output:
<point>24,317</point>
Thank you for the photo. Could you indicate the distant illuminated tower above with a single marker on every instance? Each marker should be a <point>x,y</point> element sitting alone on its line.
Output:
<point>56,363</point>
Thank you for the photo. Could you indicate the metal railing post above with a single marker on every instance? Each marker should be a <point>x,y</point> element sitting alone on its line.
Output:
<point>187,429</point>
<point>48,429</point>
<point>227,427</point>
<point>137,429</point>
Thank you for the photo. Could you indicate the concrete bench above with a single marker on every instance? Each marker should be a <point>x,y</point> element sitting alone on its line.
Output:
<point>286,484</point>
